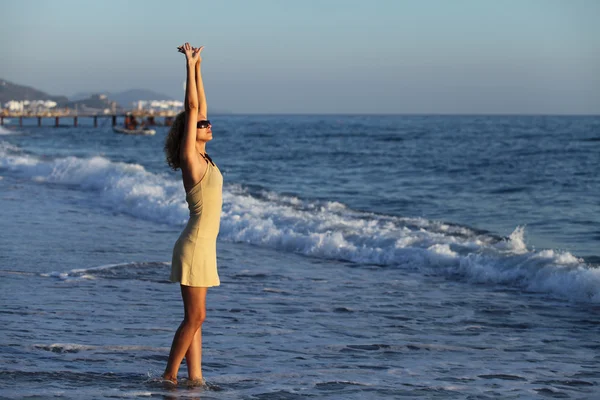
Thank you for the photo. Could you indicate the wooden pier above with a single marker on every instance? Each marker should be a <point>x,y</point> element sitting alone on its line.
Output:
<point>147,118</point>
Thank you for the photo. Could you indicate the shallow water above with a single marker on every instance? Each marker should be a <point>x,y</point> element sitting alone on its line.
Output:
<point>338,281</point>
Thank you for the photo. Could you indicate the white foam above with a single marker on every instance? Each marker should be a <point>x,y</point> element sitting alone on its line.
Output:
<point>5,131</point>
<point>113,266</point>
<point>75,347</point>
<point>321,229</point>
<point>88,273</point>
<point>516,242</point>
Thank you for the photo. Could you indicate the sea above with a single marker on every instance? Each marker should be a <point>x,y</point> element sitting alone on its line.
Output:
<point>360,257</point>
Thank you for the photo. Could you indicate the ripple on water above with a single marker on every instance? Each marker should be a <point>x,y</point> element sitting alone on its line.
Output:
<point>569,382</point>
<point>505,377</point>
<point>552,393</point>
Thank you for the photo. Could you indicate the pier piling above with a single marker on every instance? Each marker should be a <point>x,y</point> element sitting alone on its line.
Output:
<point>167,119</point>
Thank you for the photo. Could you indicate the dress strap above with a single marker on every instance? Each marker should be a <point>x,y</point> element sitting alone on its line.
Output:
<point>207,158</point>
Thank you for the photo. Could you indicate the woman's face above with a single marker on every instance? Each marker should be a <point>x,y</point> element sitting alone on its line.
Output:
<point>204,131</point>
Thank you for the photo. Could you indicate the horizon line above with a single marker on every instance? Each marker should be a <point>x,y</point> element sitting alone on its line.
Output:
<point>443,114</point>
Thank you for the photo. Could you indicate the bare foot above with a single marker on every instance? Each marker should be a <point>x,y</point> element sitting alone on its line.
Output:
<point>169,381</point>
<point>196,382</point>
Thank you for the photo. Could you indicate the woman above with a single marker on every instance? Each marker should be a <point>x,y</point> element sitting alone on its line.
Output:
<point>194,263</point>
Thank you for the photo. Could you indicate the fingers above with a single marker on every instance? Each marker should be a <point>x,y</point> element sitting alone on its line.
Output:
<point>183,48</point>
<point>187,48</point>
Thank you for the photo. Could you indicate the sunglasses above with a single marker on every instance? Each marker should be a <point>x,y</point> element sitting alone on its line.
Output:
<point>203,124</point>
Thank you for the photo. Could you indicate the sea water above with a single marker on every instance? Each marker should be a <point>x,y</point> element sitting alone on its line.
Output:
<point>360,257</point>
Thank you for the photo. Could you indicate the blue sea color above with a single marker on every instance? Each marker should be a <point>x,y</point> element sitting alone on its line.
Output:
<point>360,257</point>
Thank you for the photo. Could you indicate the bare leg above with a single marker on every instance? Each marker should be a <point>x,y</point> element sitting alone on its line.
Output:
<point>193,357</point>
<point>194,304</point>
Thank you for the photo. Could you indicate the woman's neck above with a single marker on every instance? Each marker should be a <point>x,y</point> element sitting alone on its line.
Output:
<point>201,147</point>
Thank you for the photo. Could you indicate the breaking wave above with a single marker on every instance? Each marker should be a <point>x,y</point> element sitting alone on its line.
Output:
<point>323,229</point>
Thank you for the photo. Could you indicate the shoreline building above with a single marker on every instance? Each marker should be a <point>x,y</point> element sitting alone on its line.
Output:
<point>29,106</point>
<point>158,106</point>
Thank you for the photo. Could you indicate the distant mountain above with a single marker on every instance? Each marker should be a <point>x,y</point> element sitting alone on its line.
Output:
<point>84,95</point>
<point>125,98</point>
<point>84,100</point>
<point>93,104</point>
<point>11,91</point>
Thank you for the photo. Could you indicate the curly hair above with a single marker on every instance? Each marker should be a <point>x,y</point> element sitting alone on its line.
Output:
<point>173,141</point>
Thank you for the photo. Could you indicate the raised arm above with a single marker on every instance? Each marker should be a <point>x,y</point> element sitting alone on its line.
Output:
<point>202,106</point>
<point>192,167</point>
<point>188,142</point>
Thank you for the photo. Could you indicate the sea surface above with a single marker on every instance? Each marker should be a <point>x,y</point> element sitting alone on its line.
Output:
<point>361,257</point>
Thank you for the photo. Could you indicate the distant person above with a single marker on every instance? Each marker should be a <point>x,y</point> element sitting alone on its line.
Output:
<point>194,262</point>
<point>130,123</point>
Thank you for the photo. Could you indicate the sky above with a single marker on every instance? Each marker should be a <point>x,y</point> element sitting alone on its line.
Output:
<point>317,56</point>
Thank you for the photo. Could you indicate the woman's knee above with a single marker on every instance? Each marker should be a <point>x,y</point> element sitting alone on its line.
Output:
<point>196,319</point>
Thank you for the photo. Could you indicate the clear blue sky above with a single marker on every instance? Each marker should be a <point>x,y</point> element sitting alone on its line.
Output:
<point>317,56</point>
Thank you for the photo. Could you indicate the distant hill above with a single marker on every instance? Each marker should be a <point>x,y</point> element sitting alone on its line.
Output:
<point>84,100</point>
<point>93,104</point>
<point>11,91</point>
<point>125,98</point>
<point>84,95</point>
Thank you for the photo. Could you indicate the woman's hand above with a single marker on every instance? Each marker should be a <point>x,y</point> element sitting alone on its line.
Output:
<point>192,54</point>
<point>199,50</point>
